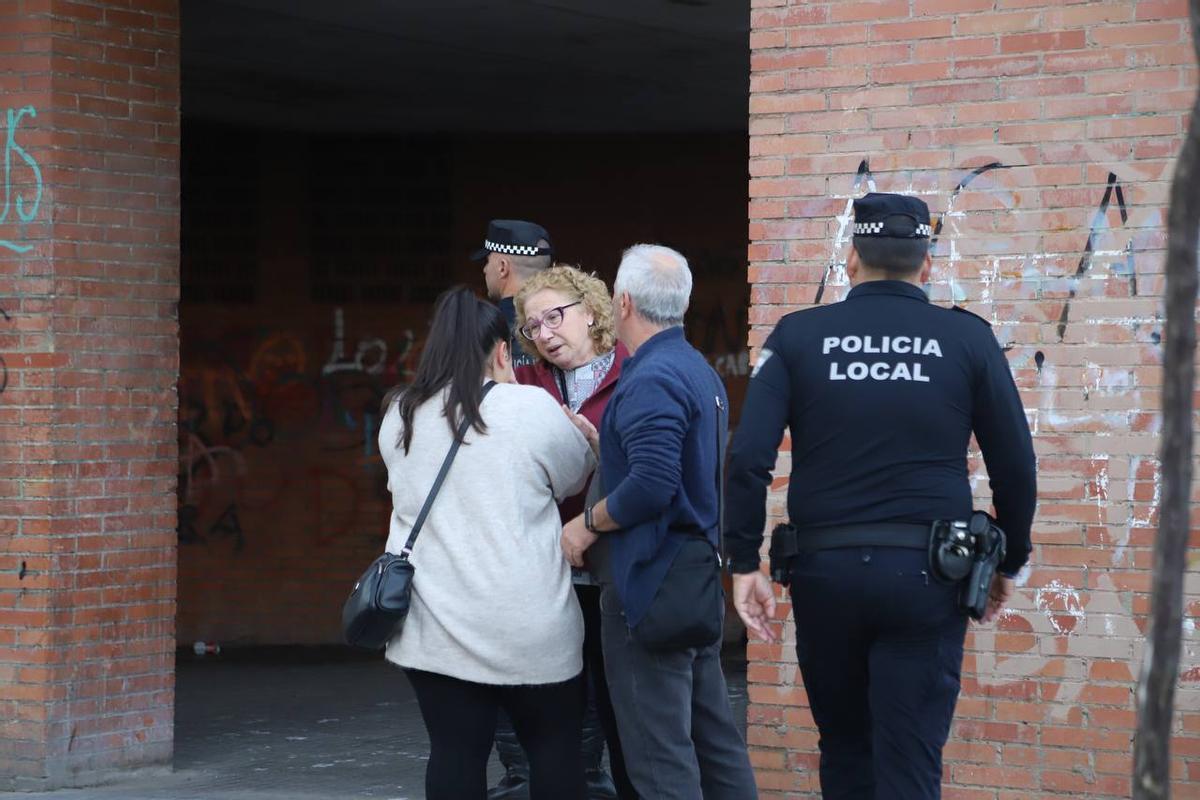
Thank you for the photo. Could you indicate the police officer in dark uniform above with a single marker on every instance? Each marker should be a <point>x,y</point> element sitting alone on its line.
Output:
<point>513,251</point>
<point>881,394</point>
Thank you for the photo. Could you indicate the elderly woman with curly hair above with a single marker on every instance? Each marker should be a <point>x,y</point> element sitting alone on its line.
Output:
<point>565,320</point>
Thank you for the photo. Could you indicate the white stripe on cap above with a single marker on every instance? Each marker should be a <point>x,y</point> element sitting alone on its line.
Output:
<point>511,249</point>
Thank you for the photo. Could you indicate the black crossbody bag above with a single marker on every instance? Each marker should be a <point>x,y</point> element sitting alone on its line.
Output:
<point>375,610</point>
<point>689,608</point>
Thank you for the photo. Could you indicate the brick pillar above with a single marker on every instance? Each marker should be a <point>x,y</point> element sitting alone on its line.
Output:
<point>89,218</point>
<point>1043,135</point>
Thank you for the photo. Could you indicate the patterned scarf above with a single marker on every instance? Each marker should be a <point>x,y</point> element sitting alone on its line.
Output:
<point>582,382</point>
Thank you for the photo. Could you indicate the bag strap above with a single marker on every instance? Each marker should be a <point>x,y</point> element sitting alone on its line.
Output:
<point>560,378</point>
<point>721,412</point>
<point>441,476</point>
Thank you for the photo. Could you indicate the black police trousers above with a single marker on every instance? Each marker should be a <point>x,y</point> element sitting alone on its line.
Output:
<point>880,646</point>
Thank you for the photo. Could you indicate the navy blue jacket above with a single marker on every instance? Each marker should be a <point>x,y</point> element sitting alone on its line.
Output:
<point>881,393</point>
<point>658,453</point>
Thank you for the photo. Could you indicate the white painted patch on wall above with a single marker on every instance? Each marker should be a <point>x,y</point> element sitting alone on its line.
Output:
<point>1147,521</point>
<point>1101,461</point>
<point>1055,600</point>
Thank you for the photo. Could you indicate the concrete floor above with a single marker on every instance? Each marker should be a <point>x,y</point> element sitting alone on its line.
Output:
<point>296,723</point>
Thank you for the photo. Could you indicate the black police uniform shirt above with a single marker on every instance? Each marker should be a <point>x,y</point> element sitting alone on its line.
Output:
<point>881,393</point>
<point>520,358</point>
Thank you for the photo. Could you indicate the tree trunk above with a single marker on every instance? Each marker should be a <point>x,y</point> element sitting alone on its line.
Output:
<point>1160,665</point>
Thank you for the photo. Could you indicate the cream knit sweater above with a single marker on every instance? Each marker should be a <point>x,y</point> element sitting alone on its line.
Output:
<point>492,598</point>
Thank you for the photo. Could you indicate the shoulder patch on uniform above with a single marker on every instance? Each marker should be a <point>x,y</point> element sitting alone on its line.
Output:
<point>972,314</point>
<point>763,357</point>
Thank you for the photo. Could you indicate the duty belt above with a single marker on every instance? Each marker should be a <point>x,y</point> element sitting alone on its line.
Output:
<point>882,534</point>
<point>959,551</point>
<point>787,542</point>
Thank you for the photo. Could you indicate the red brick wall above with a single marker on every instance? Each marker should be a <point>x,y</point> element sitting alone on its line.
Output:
<point>1080,107</point>
<point>280,477</point>
<point>88,358</point>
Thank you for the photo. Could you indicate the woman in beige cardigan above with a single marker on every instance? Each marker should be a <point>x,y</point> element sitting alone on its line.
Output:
<point>494,622</point>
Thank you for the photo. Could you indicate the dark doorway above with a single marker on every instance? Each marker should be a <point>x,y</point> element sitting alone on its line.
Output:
<point>340,161</point>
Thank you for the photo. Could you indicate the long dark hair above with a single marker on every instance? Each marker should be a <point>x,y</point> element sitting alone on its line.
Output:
<point>462,333</point>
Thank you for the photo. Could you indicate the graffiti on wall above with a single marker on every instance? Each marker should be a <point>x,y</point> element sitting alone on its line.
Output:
<point>264,424</point>
<point>22,197</point>
<point>3,364</point>
<point>1100,227</point>
<point>22,180</point>
<point>269,418</point>
<point>719,331</point>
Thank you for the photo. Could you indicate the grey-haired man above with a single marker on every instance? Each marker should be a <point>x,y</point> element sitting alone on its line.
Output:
<point>659,456</point>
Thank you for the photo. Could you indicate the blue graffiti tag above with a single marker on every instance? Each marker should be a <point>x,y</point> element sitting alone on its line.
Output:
<point>25,212</point>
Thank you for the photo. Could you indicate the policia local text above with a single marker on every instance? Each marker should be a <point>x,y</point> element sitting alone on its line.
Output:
<point>880,370</point>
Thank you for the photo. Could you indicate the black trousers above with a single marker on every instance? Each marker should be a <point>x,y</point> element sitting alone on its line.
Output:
<point>880,646</point>
<point>460,717</point>
<point>596,682</point>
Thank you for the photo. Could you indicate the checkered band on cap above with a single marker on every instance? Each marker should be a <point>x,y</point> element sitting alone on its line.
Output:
<point>511,249</point>
<point>867,228</point>
<point>876,228</point>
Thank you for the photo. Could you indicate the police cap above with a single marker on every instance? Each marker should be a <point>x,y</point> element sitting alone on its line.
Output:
<point>514,237</point>
<point>894,216</point>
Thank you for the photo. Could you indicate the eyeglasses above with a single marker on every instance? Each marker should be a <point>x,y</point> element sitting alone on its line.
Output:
<point>551,319</point>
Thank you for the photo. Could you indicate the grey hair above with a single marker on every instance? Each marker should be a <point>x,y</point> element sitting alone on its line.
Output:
<point>658,281</point>
<point>527,266</point>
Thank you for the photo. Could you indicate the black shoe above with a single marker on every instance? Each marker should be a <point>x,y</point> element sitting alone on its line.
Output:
<point>512,786</point>
<point>515,783</point>
<point>599,785</point>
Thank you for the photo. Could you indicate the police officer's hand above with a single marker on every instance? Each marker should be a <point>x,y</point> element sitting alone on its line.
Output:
<point>575,541</point>
<point>1000,593</point>
<point>755,603</point>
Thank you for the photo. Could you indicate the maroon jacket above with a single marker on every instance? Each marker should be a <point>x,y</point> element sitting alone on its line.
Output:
<point>545,375</point>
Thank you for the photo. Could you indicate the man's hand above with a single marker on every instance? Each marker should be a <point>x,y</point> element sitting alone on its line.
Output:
<point>576,539</point>
<point>1000,593</point>
<point>755,603</point>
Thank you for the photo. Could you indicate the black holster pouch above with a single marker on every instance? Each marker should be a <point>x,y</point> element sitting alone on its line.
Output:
<point>968,552</point>
<point>785,543</point>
